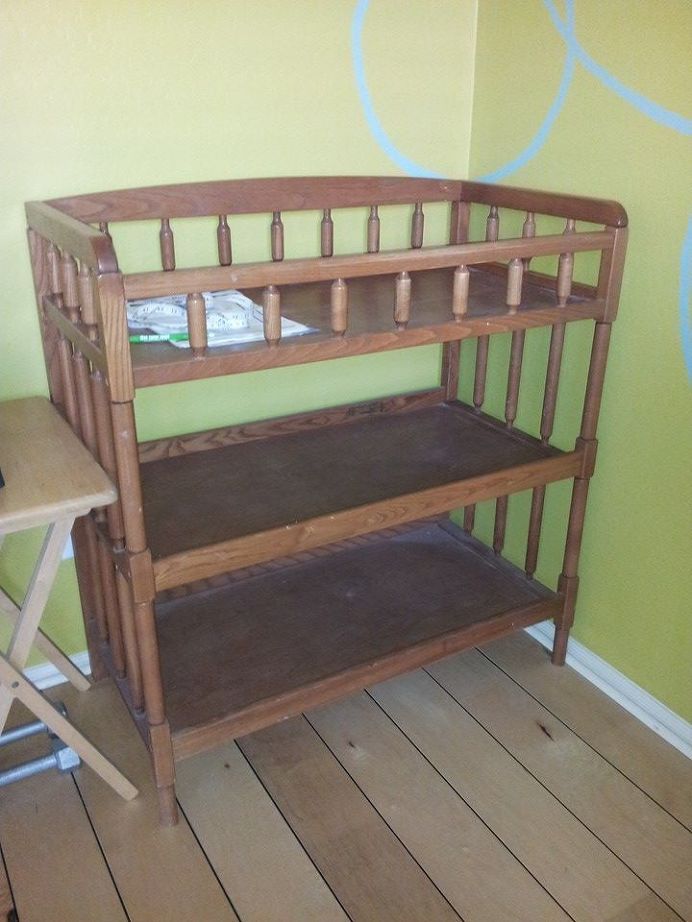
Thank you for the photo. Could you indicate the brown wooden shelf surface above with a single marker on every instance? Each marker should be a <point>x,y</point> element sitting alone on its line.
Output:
<point>200,499</point>
<point>240,657</point>
<point>370,325</point>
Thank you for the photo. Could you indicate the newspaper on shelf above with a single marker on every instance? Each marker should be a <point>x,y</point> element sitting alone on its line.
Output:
<point>231,318</point>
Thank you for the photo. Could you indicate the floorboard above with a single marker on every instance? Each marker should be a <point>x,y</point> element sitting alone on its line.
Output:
<point>448,840</point>
<point>659,769</point>
<point>585,877</point>
<point>370,871</point>
<point>6,899</point>
<point>647,839</point>
<point>160,873</point>
<point>493,787</point>
<point>251,847</point>
<point>49,845</point>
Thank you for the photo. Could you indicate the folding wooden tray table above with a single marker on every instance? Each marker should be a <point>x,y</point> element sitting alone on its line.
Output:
<point>50,480</point>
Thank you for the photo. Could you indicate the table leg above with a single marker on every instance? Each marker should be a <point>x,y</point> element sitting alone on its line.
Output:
<point>46,646</point>
<point>18,686</point>
<point>31,611</point>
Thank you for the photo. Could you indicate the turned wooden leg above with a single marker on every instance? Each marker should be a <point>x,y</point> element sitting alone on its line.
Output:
<point>559,653</point>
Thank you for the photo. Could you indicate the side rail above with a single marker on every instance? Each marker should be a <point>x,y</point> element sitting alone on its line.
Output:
<point>77,282</point>
<point>607,290</point>
<point>82,311</point>
<point>402,264</point>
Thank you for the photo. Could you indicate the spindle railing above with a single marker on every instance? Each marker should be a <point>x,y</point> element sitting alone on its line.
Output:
<point>223,241</point>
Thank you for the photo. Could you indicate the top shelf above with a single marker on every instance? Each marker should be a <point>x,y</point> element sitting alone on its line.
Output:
<point>371,327</point>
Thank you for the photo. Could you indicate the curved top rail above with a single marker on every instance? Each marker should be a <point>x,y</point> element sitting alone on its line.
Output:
<point>90,246</point>
<point>247,196</point>
<point>595,210</point>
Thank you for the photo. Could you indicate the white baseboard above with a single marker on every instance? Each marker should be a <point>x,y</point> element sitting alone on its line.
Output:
<point>631,697</point>
<point>46,675</point>
<point>636,700</point>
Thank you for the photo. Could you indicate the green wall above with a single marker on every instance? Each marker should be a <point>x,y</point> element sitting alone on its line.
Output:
<point>635,603</point>
<point>104,95</point>
<point>99,95</point>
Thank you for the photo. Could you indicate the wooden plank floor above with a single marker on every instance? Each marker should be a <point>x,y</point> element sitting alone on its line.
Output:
<point>490,787</point>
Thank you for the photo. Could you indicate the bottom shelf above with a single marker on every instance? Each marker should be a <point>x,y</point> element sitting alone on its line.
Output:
<point>268,646</point>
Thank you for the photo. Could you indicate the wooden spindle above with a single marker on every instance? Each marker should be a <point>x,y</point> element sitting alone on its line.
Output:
<point>70,286</point>
<point>38,246</point>
<point>78,293</point>
<point>594,383</point>
<point>223,241</point>
<point>68,384</point>
<point>115,630</point>
<point>339,307</point>
<point>479,379</point>
<point>515,274</point>
<point>53,258</point>
<point>327,233</point>
<point>374,230</point>
<point>87,302</point>
<point>167,245</point>
<point>103,227</point>
<point>492,224</point>
<point>272,315</point>
<point>417,223</point>
<point>110,597</point>
<point>500,523</point>
<point>469,519</point>
<point>534,537</point>
<point>516,357</point>
<point>106,449</point>
<point>129,634</point>
<point>450,369</point>
<point>460,292</point>
<point>64,274</point>
<point>196,323</point>
<point>552,378</point>
<point>105,613</point>
<point>125,658</point>
<point>451,351</point>
<point>565,268</point>
<point>459,218</point>
<point>402,300</point>
<point>277,236</point>
<point>481,371</point>
<point>529,230</point>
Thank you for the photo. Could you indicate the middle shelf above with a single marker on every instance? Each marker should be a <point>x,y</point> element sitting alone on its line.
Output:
<point>234,505</point>
<point>208,512</point>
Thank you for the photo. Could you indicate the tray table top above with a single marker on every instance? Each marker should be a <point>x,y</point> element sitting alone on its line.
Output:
<point>48,472</point>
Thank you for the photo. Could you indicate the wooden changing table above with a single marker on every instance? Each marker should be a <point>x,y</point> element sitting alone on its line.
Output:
<point>323,558</point>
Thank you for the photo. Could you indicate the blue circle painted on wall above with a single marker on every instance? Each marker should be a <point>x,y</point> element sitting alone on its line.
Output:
<point>574,54</point>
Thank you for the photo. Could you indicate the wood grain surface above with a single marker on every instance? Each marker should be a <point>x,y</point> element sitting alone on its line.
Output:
<point>48,472</point>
